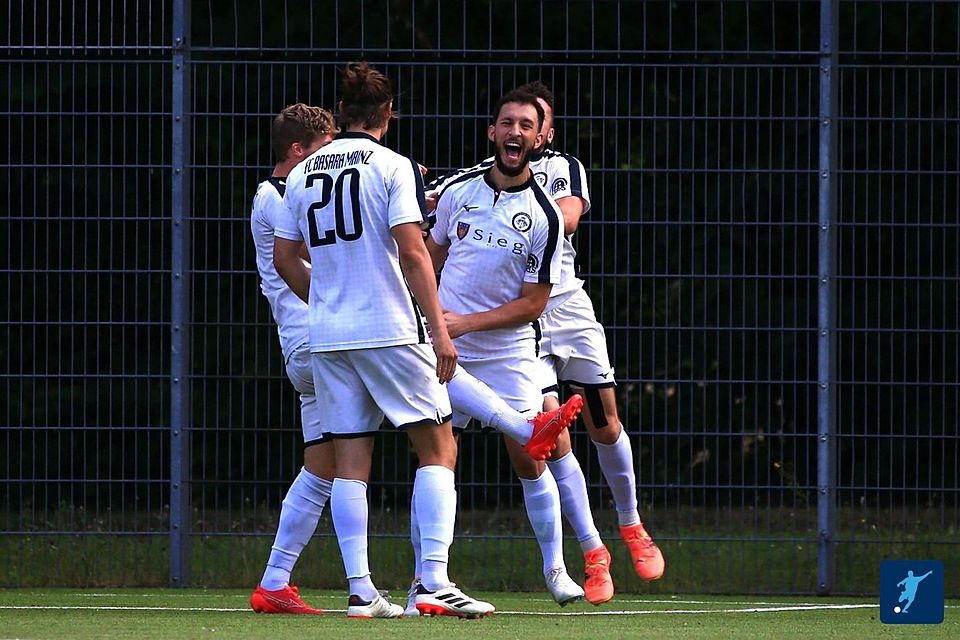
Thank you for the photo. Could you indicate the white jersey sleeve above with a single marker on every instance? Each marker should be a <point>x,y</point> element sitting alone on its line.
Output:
<point>544,263</point>
<point>563,176</point>
<point>285,221</point>
<point>442,221</point>
<point>405,193</point>
<point>289,311</point>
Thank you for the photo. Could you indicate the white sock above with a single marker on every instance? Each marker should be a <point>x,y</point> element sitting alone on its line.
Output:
<point>474,398</point>
<point>436,504</point>
<point>348,506</point>
<point>541,498</point>
<point>299,515</point>
<point>616,462</point>
<point>574,502</point>
<point>415,537</point>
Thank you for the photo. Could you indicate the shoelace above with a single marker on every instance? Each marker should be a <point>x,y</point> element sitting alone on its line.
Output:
<point>554,575</point>
<point>640,537</point>
<point>598,564</point>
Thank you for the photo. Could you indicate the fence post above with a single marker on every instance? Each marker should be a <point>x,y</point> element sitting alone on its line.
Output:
<point>180,303</point>
<point>826,298</point>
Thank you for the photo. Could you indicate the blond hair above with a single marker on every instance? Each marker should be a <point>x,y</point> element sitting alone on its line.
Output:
<point>299,123</point>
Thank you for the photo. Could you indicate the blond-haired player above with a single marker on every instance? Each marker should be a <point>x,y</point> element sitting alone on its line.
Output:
<point>296,132</point>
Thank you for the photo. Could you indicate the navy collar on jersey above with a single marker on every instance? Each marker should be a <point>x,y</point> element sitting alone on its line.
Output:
<point>539,154</point>
<point>513,189</point>
<point>346,135</point>
<point>280,184</point>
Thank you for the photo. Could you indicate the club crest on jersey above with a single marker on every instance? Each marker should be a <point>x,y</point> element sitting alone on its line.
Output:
<point>560,184</point>
<point>462,229</point>
<point>541,178</point>
<point>522,221</point>
<point>533,263</point>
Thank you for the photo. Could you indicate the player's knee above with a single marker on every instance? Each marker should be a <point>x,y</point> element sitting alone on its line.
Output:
<point>528,468</point>
<point>606,435</point>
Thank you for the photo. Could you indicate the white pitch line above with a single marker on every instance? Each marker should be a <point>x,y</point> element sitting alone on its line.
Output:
<point>691,611</point>
<point>118,608</point>
<point>783,608</point>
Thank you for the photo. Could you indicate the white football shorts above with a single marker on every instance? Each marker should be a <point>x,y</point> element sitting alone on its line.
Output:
<point>359,387</point>
<point>300,373</point>
<point>573,347</point>
<point>513,377</point>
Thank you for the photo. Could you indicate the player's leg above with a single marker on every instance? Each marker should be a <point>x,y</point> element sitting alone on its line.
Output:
<point>574,502</point>
<point>575,506</point>
<point>906,607</point>
<point>541,499</point>
<point>350,512</point>
<point>511,378</point>
<point>539,433</point>
<point>351,418</point>
<point>615,454</point>
<point>404,383</point>
<point>435,502</point>
<point>303,503</point>
<point>411,608</point>
<point>582,345</point>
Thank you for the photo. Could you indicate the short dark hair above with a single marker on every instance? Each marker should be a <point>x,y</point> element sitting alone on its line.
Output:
<point>520,97</point>
<point>540,90</point>
<point>299,123</point>
<point>365,96</point>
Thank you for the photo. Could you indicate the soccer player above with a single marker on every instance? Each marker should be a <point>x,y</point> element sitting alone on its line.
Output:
<point>574,351</point>
<point>574,348</point>
<point>497,238</point>
<point>358,206</point>
<point>296,132</point>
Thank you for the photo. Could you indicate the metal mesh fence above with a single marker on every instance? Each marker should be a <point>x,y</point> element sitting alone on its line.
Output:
<point>700,126</point>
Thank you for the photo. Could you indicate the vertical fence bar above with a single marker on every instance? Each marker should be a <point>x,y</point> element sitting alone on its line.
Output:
<point>826,320</point>
<point>180,303</point>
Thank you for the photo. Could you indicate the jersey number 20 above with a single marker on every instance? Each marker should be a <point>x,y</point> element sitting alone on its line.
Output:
<point>330,187</point>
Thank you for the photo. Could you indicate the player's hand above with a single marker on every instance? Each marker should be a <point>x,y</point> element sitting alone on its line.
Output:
<point>446,357</point>
<point>423,170</point>
<point>457,324</point>
<point>431,199</point>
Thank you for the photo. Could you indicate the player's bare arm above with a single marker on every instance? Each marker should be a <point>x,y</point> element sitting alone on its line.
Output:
<point>421,278</point>
<point>304,252</point>
<point>438,253</point>
<point>525,309</point>
<point>286,258</point>
<point>572,208</point>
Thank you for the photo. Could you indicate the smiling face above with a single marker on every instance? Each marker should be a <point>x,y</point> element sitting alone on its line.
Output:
<point>515,134</point>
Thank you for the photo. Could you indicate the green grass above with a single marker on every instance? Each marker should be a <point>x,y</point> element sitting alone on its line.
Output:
<point>700,566</point>
<point>172,614</point>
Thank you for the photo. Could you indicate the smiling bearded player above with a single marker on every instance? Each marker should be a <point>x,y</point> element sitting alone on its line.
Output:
<point>497,236</point>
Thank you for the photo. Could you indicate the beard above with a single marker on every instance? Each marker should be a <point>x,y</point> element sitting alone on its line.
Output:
<point>514,171</point>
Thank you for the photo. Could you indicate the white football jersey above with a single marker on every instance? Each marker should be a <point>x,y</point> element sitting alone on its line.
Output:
<point>560,175</point>
<point>289,311</point>
<point>342,201</point>
<point>496,242</point>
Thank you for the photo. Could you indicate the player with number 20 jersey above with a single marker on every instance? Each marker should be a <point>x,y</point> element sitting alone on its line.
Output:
<point>353,191</point>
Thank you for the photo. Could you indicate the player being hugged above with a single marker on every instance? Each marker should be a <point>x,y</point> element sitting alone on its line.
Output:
<point>296,132</point>
<point>497,237</point>
<point>359,206</point>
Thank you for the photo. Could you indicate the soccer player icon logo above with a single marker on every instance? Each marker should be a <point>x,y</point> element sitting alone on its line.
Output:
<point>909,584</point>
<point>903,600</point>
